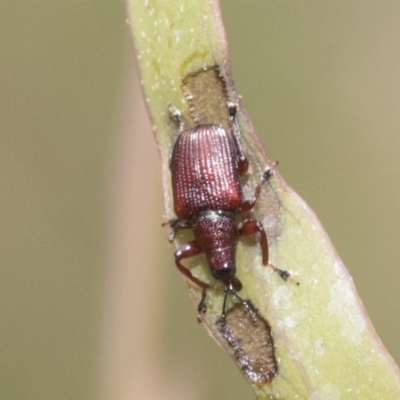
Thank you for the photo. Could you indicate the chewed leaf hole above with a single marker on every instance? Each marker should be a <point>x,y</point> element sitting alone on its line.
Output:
<point>249,336</point>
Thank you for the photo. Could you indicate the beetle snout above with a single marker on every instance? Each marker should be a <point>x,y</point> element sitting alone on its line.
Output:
<point>226,272</point>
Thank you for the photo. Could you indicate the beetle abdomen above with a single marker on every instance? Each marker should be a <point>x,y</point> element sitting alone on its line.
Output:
<point>204,171</point>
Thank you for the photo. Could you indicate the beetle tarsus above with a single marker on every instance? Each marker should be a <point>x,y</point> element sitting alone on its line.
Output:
<point>285,275</point>
<point>176,116</point>
<point>267,174</point>
<point>269,171</point>
<point>176,224</point>
<point>232,109</point>
<point>173,223</point>
<point>202,307</point>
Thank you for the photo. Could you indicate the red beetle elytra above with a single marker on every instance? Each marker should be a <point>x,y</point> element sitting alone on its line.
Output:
<point>206,164</point>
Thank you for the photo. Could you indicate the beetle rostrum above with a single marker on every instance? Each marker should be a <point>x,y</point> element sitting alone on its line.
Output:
<point>206,165</point>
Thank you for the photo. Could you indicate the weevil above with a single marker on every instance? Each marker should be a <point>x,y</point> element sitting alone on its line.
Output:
<point>206,165</point>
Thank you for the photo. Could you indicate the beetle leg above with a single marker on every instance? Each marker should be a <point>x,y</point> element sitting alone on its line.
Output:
<point>176,224</point>
<point>249,204</point>
<point>176,116</point>
<point>187,250</point>
<point>251,227</point>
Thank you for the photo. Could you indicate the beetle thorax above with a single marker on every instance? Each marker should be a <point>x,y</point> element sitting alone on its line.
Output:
<point>216,234</point>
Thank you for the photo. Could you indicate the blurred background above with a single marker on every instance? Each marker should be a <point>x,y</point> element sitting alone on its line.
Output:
<point>91,303</point>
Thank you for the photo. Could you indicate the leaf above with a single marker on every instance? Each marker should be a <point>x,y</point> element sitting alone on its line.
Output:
<point>315,338</point>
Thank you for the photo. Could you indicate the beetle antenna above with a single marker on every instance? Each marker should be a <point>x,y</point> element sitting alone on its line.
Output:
<point>229,289</point>
<point>223,316</point>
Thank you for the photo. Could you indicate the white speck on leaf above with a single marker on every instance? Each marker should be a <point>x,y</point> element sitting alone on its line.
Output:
<point>343,304</point>
<point>282,297</point>
<point>327,392</point>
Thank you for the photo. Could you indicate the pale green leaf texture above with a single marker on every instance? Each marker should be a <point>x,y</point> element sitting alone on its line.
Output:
<point>325,345</point>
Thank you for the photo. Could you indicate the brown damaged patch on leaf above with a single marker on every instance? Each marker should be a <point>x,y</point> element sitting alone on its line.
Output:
<point>249,336</point>
<point>205,92</point>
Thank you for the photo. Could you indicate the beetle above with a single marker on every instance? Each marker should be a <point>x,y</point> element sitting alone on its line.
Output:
<point>206,165</point>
